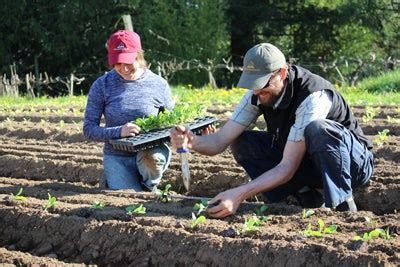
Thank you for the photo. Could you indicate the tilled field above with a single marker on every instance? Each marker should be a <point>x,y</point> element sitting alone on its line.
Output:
<point>44,152</point>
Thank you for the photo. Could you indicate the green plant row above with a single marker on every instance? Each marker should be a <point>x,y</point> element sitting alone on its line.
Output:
<point>179,115</point>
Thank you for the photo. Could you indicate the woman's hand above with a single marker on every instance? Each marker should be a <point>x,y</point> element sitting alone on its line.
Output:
<point>129,129</point>
<point>210,129</point>
<point>181,137</point>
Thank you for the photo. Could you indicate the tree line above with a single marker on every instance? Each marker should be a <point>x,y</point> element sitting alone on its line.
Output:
<point>198,41</point>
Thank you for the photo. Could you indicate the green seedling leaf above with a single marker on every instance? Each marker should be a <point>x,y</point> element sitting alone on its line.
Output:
<point>97,205</point>
<point>18,196</point>
<point>309,232</point>
<point>260,211</point>
<point>136,209</point>
<point>196,221</point>
<point>163,194</point>
<point>253,223</point>
<point>51,202</point>
<point>179,115</point>
<point>200,207</point>
<point>375,233</point>
<point>308,213</point>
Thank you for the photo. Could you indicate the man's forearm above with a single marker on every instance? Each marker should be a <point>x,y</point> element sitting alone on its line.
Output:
<point>208,144</point>
<point>267,181</point>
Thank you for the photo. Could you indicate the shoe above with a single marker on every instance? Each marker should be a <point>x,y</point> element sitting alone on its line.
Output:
<point>309,198</point>
<point>348,205</point>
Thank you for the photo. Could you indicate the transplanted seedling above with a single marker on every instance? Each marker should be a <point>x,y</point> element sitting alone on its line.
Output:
<point>382,137</point>
<point>260,211</point>
<point>163,194</point>
<point>135,209</point>
<point>97,205</point>
<point>200,207</point>
<point>309,232</point>
<point>196,221</point>
<point>376,233</point>
<point>252,224</point>
<point>51,202</point>
<point>18,196</point>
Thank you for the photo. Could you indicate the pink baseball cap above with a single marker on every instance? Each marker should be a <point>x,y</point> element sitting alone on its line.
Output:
<point>122,47</point>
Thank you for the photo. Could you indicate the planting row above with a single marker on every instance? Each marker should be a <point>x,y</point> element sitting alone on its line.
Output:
<point>85,225</point>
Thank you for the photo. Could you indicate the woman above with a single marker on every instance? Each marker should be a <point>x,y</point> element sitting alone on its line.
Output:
<point>129,91</point>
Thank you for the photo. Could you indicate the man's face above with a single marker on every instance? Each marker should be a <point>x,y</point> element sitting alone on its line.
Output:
<point>270,93</point>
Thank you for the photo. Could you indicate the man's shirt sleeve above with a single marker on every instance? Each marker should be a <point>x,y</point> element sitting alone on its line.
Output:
<point>316,106</point>
<point>245,113</point>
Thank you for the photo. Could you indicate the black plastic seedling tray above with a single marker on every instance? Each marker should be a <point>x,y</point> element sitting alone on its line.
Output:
<point>151,139</point>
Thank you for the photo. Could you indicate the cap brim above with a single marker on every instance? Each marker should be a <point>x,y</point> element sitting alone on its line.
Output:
<point>126,58</point>
<point>253,81</point>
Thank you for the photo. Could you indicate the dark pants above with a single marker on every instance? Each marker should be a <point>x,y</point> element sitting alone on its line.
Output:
<point>335,161</point>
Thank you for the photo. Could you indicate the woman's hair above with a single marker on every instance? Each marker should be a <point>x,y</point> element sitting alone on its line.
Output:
<point>140,59</point>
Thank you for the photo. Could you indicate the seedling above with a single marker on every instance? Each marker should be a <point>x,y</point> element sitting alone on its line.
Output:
<point>18,196</point>
<point>196,221</point>
<point>97,205</point>
<point>51,202</point>
<point>308,213</point>
<point>392,120</point>
<point>309,232</point>
<point>252,224</point>
<point>163,194</point>
<point>135,209</point>
<point>200,207</point>
<point>370,113</point>
<point>377,232</point>
<point>180,114</point>
<point>382,137</point>
<point>62,124</point>
<point>260,211</point>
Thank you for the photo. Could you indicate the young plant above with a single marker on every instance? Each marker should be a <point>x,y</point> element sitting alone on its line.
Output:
<point>62,124</point>
<point>135,209</point>
<point>18,196</point>
<point>261,210</point>
<point>97,205</point>
<point>180,114</point>
<point>392,120</point>
<point>370,113</point>
<point>163,194</point>
<point>252,224</point>
<point>51,202</point>
<point>196,221</point>
<point>308,213</point>
<point>382,137</point>
<point>377,232</point>
<point>200,207</point>
<point>309,232</point>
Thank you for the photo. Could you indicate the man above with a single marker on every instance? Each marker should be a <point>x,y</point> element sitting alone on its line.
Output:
<point>312,140</point>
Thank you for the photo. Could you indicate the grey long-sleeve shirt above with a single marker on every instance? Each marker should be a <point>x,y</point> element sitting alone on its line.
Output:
<point>122,101</point>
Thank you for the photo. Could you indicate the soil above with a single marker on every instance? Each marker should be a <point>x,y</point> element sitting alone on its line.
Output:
<point>42,155</point>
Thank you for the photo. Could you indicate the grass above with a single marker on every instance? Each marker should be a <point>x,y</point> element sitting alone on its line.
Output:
<point>381,90</point>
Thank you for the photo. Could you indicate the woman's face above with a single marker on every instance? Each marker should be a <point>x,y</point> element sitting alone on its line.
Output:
<point>127,71</point>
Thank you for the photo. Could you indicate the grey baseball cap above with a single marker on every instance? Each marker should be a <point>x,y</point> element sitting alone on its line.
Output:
<point>259,64</point>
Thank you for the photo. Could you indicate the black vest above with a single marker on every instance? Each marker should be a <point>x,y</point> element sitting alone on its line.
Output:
<point>300,83</point>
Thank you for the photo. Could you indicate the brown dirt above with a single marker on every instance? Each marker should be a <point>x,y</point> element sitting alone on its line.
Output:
<point>41,156</point>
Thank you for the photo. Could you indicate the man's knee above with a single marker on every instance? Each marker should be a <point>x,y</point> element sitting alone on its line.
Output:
<point>319,134</point>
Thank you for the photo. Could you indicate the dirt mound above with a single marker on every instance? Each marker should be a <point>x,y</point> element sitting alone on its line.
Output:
<point>43,156</point>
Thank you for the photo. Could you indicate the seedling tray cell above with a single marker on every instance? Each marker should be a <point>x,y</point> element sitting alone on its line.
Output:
<point>155,138</point>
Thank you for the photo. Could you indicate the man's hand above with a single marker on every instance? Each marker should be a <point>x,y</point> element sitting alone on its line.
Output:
<point>181,137</point>
<point>129,129</point>
<point>226,203</point>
